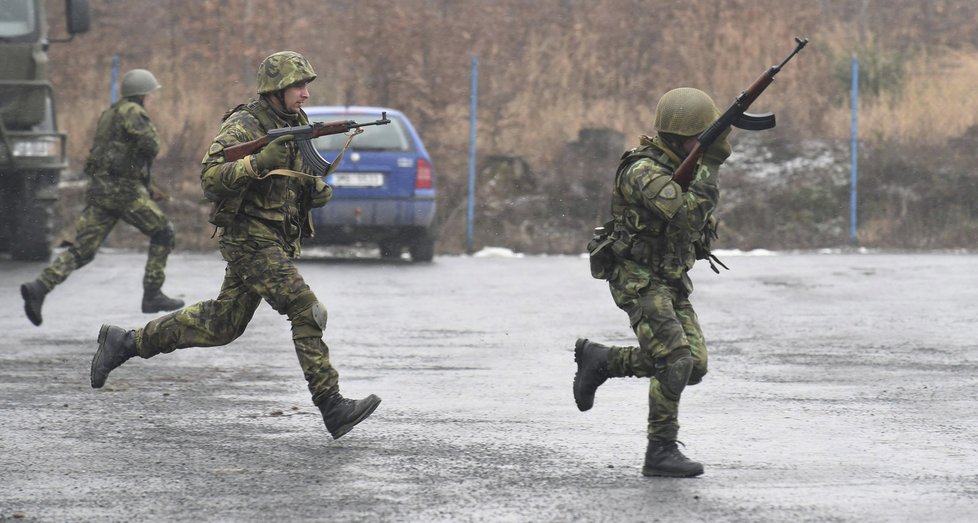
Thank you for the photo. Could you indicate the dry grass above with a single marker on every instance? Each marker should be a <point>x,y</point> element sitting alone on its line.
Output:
<point>547,70</point>
<point>936,104</point>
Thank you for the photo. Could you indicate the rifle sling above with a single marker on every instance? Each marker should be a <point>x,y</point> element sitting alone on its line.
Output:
<point>332,167</point>
<point>287,172</point>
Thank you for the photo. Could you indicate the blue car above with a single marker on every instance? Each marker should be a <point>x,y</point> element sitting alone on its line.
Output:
<point>383,188</point>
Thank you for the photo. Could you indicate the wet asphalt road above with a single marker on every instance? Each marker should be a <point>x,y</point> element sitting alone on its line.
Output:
<point>842,388</point>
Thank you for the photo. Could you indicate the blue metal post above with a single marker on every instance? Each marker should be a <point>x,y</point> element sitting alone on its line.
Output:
<point>854,149</point>
<point>113,90</point>
<point>472,120</point>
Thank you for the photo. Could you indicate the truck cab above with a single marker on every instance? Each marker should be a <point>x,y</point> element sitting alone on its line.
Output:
<point>32,149</point>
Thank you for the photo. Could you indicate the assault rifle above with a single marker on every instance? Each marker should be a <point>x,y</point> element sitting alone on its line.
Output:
<point>735,116</point>
<point>304,135</point>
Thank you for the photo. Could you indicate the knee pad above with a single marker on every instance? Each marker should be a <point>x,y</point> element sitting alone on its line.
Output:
<point>319,314</point>
<point>675,375</point>
<point>308,317</point>
<point>696,376</point>
<point>164,237</point>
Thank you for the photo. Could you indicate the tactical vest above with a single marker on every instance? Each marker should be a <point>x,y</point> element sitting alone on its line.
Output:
<point>112,153</point>
<point>641,234</point>
<point>281,202</point>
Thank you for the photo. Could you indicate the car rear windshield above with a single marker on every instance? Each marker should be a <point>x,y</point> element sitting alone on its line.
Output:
<point>389,137</point>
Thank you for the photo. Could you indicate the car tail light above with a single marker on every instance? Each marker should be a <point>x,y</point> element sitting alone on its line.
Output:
<point>423,180</point>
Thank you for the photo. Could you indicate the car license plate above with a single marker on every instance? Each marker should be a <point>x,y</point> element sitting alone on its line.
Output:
<point>358,179</point>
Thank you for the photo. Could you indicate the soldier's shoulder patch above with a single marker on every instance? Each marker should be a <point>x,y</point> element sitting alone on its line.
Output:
<point>216,148</point>
<point>667,200</point>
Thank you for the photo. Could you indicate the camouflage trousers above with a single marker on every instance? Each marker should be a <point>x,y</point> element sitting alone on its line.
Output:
<point>254,273</point>
<point>95,223</point>
<point>664,321</point>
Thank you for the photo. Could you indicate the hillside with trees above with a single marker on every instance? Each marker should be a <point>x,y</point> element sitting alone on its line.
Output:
<point>565,86</point>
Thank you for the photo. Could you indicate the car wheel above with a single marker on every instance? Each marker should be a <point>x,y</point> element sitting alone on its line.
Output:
<point>423,247</point>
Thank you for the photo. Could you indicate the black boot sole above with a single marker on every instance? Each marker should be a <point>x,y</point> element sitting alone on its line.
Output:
<point>152,309</point>
<point>578,357</point>
<point>102,333</point>
<point>346,427</point>
<point>670,474</point>
<point>35,318</point>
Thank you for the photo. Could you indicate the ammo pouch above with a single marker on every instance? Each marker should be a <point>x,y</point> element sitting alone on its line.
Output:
<point>225,210</point>
<point>599,251</point>
<point>118,161</point>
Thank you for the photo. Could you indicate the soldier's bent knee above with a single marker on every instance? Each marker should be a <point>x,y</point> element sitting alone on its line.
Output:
<point>675,376</point>
<point>164,237</point>
<point>696,376</point>
<point>308,316</point>
<point>82,258</point>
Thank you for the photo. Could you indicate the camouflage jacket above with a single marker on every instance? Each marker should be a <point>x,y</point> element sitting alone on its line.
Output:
<point>657,224</point>
<point>271,210</point>
<point>125,144</point>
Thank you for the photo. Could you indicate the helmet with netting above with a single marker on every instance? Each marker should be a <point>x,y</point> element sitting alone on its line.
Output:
<point>685,111</point>
<point>138,82</point>
<point>283,69</point>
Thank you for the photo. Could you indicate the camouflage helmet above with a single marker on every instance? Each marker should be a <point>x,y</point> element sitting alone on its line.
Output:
<point>685,111</point>
<point>138,82</point>
<point>282,69</point>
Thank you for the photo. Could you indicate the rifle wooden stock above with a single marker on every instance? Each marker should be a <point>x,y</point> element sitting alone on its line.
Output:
<point>684,173</point>
<point>239,151</point>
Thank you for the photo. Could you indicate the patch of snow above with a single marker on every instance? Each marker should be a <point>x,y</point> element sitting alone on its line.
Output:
<point>497,252</point>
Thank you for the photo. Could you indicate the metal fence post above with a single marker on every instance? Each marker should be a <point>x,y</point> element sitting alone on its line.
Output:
<point>854,150</point>
<point>472,130</point>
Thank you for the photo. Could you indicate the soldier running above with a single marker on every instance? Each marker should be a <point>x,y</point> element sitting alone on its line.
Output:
<point>118,167</point>
<point>659,232</point>
<point>262,216</point>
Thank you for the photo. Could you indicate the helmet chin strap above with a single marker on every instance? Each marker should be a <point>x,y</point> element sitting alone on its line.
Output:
<point>277,101</point>
<point>280,97</point>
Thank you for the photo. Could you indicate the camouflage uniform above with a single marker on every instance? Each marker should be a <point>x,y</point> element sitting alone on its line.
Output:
<point>263,210</point>
<point>118,166</point>
<point>126,142</point>
<point>659,230</point>
<point>258,244</point>
<point>657,225</point>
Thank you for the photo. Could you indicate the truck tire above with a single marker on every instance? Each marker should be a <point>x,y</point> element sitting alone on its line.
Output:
<point>31,239</point>
<point>33,235</point>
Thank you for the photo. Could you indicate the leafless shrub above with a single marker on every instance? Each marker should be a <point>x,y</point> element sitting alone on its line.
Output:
<point>548,69</point>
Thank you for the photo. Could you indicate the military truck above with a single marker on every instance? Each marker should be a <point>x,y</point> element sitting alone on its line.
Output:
<point>32,149</point>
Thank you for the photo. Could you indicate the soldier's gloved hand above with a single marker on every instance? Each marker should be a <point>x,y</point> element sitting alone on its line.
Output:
<point>718,152</point>
<point>274,155</point>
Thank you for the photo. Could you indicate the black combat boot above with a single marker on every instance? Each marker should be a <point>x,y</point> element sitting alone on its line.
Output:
<point>155,301</point>
<point>34,293</point>
<point>592,371</point>
<point>115,346</point>
<point>663,458</point>
<point>342,414</point>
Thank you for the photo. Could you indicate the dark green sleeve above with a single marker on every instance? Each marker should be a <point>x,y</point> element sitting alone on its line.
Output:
<point>221,179</point>
<point>140,132</point>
